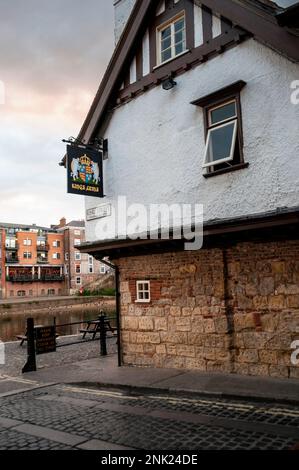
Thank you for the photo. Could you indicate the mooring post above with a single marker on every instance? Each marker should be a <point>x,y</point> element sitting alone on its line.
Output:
<point>103,334</point>
<point>30,365</point>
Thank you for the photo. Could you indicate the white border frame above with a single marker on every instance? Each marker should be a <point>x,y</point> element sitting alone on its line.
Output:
<point>143,301</point>
<point>159,30</point>
<point>210,110</point>
<point>223,160</point>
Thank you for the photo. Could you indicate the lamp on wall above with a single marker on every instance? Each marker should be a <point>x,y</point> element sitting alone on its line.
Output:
<point>169,83</point>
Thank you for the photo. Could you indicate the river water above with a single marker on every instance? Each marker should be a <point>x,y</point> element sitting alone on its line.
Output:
<point>13,324</point>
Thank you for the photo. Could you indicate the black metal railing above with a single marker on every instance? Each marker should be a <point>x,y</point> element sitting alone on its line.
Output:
<point>41,260</point>
<point>21,278</point>
<point>51,277</point>
<point>102,326</point>
<point>10,260</point>
<point>12,248</point>
<point>43,247</point>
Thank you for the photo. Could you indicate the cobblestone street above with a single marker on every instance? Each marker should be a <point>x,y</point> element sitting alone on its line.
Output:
<point>70,417</point>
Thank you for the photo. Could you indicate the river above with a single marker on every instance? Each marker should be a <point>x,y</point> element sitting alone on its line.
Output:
<point>13,324</point>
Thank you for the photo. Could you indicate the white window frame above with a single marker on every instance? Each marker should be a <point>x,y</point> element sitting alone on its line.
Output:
<point>80,281</point>
<point>55,256</point>
<point>219,125</point>
<point>26,253</point>
<point>77,232</point>
<point>77,256</point>
<point>143,301</point>
<point>27,242</point>
<point>159,32</point>
<point>102,269</point>
<point>233,146</point>
<point>66,256</point>
<point>77,241</point>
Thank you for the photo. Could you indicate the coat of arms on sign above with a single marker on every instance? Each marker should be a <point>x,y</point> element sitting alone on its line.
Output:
<point>85,170</point>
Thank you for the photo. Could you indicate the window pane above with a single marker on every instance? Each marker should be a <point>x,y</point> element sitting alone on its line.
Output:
<point>180,24</point>
<point>166,44</point>
<point>146,295</point>
<point>224,112</point>
<point>179,48</point>
<point>221,142</point>
<point>179,37</point>
<point>166,55</point>
<point>166,32</point>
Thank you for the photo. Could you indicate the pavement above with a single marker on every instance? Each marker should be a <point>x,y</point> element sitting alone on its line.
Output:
<point>103,372</point>
<point>92,404</point>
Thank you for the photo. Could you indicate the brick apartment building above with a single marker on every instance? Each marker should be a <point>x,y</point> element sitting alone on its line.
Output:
<point>81,270</point>
<point>39,261</point>
<point>32,261</point>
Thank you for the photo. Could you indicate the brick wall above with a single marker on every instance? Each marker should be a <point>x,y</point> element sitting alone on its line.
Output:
<point>233,310</point>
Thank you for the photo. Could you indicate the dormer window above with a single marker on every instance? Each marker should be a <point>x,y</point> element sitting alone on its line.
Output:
<point>171,39</point>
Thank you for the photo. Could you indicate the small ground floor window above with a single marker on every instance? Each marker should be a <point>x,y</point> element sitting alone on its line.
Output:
<point>51,291</point>
<point>143,291</point>
<point>21,293</point>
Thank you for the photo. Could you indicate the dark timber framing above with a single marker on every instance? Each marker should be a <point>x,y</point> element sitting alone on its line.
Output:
<point>171,11</point>
<point>249,17</point>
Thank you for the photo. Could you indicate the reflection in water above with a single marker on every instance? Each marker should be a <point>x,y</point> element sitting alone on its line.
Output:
<point>14,324</point>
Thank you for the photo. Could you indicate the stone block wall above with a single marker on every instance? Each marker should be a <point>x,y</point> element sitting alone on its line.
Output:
<point>234,310</point>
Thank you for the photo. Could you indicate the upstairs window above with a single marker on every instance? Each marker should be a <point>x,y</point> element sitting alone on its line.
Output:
<point>143,291</point>
<point>223,130</point>
<point>171,39</point>
<point>222,134</point>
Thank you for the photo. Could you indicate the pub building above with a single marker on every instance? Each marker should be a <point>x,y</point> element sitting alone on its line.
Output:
<point>199,105</point>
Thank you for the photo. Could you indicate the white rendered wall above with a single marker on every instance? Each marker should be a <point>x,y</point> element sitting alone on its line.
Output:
<point>156,141</point>
<point>122,11</point>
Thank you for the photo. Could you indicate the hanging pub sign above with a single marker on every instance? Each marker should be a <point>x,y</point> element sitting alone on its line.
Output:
<point>85,171</point>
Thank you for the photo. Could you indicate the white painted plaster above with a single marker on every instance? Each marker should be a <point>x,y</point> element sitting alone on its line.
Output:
<point>198,31</point>
<point>146,54</point>
<point>122,11</point>
<point>133,71</point>
<point>161,8</point>
<point>216,26</point>
<point>156,141</point>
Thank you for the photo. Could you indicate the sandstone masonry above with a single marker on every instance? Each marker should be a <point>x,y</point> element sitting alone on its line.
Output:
<point>230,310</point>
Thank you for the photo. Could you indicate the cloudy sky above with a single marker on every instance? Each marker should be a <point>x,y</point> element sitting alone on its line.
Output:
<point>52,57</point>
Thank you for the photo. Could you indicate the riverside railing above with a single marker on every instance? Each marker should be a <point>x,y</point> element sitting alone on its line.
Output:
<point>43,339</point>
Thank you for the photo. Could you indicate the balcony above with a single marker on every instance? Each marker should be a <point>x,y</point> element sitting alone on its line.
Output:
<point>52,278</point>
<point>43,247</point>
<point>21,278</point>
<point>12,248</point>
<point>41,260</point>
<point>10,260</point>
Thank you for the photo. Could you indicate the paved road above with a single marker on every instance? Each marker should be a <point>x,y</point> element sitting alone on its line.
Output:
<point>68,417</point>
